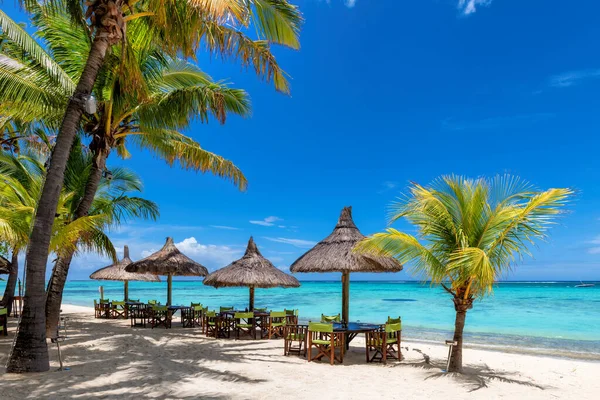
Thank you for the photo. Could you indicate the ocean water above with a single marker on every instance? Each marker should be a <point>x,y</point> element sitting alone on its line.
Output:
<point>548,317</point>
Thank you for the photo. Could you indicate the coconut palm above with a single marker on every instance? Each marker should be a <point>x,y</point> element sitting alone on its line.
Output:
<point>175,92</point>
<point>470,232</point>
<point>277,22</point>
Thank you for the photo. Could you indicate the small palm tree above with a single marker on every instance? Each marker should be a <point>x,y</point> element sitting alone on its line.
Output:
<point>469,233</point>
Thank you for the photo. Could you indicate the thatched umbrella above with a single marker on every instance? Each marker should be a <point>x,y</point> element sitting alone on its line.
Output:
<point>116,272</point>
<point>4,263</point>
<point>334,254</point>
<point>253,271</point>
<point>168,261</point>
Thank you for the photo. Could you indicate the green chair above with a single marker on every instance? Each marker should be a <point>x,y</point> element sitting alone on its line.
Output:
<point>330,318</point>
<point>118,310</point>
<point>153,302</point>
<point>291,316</point>
<point>210,323</point>
<point>4,321</point>
<point>195,304</point>
<point>384,344</point>
<point>277,321</point>
<point>225,309</point>
<point>104,308</point>
<point>244,323</point>
<point>97,309</point>
<point>322,337</point>
<point>260,309</point>
<point>160,316</point>
<point>197,314</point>
<point>391,320</point>
<point>133,300</point>
<point>295,337</point>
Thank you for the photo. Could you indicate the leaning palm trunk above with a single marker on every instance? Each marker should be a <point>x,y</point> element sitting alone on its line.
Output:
<point>60,271</point>
<point>9,290</point>
<point>30,352</point>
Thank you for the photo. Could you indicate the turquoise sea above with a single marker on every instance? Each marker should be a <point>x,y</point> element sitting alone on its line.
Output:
<point>548,317</point>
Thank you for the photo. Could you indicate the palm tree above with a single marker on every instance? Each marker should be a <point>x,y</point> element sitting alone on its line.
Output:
<point>174,93</point>
<point>469,234</point>
<point>219,24</point>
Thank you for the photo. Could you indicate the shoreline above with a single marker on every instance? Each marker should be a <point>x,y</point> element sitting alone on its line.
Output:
<point>555,353</point>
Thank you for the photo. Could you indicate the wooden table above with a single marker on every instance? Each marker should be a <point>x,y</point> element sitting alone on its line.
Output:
<point>352,329</point>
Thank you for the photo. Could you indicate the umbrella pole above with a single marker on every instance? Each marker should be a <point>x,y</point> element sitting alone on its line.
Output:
<point>126,291</point>
<point>251,305</point>
<point>345,296</point>
<point>169,287</point>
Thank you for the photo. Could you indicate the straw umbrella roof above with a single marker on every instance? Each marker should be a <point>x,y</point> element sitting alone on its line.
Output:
<point>252,270</point>
<point>116,272</point>
<point>168,261</point>
<point>4,263</point>
<point>334,253</point>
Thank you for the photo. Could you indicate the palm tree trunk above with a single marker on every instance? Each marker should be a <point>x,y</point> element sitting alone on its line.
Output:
<point>30,351</point>
<point>9,290</point>
<point>58,279</point>
<point>461,306</point>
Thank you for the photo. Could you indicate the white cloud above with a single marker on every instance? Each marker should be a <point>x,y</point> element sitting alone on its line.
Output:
<point>467,7</point>
<point>350,3</point>
<point>229,228</point>
<point>595,246</point>
<point>572,78</point>
<point>269,221</point>
<point>387,186</point>
<point>294,242</point>
<point>211,256</point>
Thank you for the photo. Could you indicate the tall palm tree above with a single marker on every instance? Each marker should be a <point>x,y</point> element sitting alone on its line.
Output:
<point>469,233</point>
<point>175,92</point>
<point>220,24</point>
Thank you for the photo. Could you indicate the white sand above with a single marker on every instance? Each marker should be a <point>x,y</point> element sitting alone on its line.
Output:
<point>108,359</point>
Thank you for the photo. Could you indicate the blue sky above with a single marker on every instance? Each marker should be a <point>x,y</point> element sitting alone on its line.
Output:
<point>383,93</point>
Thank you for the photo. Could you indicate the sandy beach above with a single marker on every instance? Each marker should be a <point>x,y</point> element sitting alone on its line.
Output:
<point>109,359</point>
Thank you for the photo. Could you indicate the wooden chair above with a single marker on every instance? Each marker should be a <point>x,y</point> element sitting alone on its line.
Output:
<point>97,309</point>
<point>198,314</point>
<point>295,334</point>
<point>330,318</point>
<point>291,317</point>
<point>118,310</point>
<point>244,323</point>
<point>105,311</point>
<point>138,314</point>
<point>210,324</point>
<point>326,341</point>
<point>384,344</point>
<point>225,309</point>
<point>277,321</point>
<point>4,321</point>
<point>160,316</point>
<point>187,317</point>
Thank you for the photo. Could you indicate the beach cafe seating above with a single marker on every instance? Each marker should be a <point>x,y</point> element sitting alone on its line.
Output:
<point>118,309</point>
<point>138,314</point>
<point>295,337</point>
<point>264,309</point>
<point>153,302</point>
<point>322,337</point>
<point>4,321</point>
<point>102,308</point>
<point>291,316</point>
<point>277,321</point>
<point>225,309</point>
<point>384,344</point>
<point>244,324</point>
<point>330,318</point>
<point>160,316</point>
<point>210,323</point>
